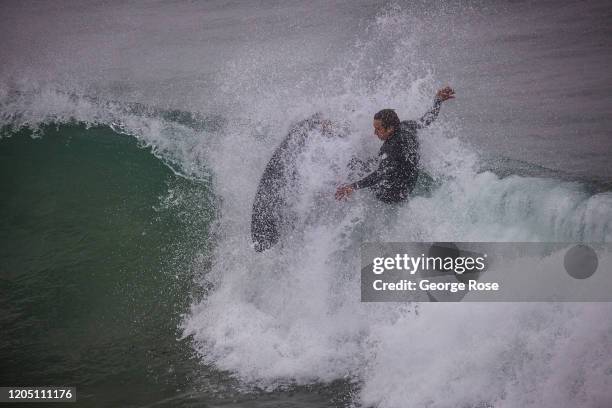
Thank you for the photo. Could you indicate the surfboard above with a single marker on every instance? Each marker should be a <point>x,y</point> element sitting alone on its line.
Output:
<point>269,216</point>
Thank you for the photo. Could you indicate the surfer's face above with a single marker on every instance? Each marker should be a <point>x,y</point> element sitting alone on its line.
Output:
<point>382,132</point>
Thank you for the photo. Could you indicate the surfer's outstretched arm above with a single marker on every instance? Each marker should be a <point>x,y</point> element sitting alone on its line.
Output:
<point>442,95</point>
<point>370,180</point>
<point>430,115</point>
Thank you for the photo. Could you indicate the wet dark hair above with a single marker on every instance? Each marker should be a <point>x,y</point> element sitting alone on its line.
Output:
<point>388,118</point>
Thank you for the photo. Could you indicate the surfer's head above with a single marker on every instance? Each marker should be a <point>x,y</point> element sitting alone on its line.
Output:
<point>385,123</point>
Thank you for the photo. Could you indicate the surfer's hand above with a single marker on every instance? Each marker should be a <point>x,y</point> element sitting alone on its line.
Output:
<point>445,94</point>
<point>344,192</point>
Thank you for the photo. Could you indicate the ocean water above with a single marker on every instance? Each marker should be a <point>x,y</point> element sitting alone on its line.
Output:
<point>133,136</point>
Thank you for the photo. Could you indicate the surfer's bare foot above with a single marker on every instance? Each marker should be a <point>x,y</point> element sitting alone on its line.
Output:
<point>344,192</point>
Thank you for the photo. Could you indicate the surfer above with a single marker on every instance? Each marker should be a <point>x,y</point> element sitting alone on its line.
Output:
<point>397,171</point>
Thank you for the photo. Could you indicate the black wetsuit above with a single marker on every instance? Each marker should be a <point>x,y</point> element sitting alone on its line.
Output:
<point>398,170</point>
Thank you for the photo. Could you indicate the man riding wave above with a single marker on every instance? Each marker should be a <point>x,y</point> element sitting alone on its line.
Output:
<point>397,171</point>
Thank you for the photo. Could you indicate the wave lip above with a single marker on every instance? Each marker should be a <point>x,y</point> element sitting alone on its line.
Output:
<point>180,139</point>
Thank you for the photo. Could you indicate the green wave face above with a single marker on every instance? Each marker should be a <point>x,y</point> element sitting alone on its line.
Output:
<point>97,242</point>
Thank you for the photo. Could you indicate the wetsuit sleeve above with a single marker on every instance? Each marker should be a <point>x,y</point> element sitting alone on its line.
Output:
<point>430,115</point>
<point>369,180</point>
<point>376,176</point>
